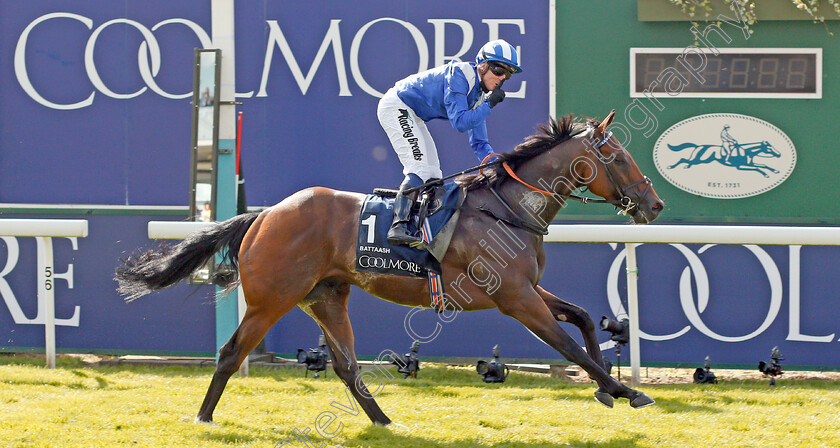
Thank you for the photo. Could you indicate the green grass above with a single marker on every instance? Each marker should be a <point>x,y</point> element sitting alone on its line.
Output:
<point>81,406</point>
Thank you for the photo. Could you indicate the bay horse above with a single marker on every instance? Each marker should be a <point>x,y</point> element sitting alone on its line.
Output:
<point>301,252</point>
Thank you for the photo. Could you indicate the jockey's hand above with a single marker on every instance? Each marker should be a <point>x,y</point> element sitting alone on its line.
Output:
<point>496,97</point>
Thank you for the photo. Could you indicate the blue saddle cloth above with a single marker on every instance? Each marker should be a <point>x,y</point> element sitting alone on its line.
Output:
<point>375,254</point>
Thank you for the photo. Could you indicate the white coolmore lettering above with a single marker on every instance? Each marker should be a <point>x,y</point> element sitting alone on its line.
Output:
<point>419,40</point>
<point>366,261</point>
<point>773,276</point>
<point>148,59</point>
<point>12,255</point>
<point>614,299</point>
<point>440,57</point>
<point>149,55</point>
<point>794,331</point>
<point>333,37</point>
<point>149,74</point>
<point>90,65</point>
<point>693,308</point>
<point>20,62</point>
<point>493,34</point>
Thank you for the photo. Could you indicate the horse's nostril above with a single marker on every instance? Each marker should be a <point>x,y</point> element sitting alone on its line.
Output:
<point>657,207</point>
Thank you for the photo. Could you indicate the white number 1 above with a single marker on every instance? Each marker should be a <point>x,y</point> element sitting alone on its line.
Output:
<point>370,221</point>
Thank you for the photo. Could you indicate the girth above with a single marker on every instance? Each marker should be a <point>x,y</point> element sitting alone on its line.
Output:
<point>514,219</point>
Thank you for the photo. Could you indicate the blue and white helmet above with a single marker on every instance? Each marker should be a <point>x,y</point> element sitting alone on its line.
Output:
<point>501,51</point>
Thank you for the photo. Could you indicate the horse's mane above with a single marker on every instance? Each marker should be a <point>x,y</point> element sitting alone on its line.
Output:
<point>549,135</point>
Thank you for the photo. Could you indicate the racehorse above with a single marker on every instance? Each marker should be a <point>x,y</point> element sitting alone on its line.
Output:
<point>702,154</point>
<point>301,252</point>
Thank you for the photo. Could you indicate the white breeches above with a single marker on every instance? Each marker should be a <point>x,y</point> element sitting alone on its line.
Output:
<point>409,136</point>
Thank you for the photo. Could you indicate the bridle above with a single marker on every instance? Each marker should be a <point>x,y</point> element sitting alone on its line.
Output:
<point>624,203</point>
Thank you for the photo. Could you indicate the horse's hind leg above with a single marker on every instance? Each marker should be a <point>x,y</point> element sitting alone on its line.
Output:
<point>251,330</point>
<point>327,304</point>
<point>567,312</point>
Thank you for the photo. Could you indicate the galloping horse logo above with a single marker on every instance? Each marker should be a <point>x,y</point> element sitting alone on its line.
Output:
<point>729,153</point>
<point>713,166</point>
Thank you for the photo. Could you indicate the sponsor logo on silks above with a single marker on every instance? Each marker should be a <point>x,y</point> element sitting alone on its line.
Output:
<point>366,261</point>
<point>407,125</point>
<point>724,156</point>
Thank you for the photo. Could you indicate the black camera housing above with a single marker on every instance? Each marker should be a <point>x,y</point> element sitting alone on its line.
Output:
<point>773,369</point>
<point>316,359</point>
<point>619,330</point>
<point>705,375</point>
<point>409,363</point>
<point>493,371</point>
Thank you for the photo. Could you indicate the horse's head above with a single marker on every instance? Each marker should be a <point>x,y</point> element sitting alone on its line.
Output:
<point>616,177</point>
<point>766,149</point>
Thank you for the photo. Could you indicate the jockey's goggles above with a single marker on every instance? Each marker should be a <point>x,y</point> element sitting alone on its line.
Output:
<point>499,69</point>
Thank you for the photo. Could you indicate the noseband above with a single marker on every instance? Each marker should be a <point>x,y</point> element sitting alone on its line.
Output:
<point>625,204</point>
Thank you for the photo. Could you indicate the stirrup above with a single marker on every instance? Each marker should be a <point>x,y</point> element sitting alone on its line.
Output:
<point>398,234</point>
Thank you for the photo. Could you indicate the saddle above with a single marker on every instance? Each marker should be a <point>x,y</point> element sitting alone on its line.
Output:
<point>436,214</point>
<point>431,200</point>
<point>433,217</point>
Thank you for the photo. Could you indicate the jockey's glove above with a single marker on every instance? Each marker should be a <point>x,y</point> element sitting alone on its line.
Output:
<point>496,97</point>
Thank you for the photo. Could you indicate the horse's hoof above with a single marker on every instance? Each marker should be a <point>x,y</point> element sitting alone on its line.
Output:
<point>641,401</point>
<point>202,422</point>
<point>604,398</point>
<point>395,425</point>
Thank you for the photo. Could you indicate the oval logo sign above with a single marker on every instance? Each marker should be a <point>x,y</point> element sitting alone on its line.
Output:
<point>724,156</point>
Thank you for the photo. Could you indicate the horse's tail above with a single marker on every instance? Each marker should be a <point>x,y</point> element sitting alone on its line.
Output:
<point>159,268</point>
<point>681,147</point>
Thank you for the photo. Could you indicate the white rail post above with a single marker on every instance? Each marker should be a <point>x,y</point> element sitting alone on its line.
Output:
<point>46,295</point>
<point>682,234</point>
<point>633,312</point>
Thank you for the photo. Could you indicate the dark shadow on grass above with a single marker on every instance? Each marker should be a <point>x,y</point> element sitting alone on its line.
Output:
<point>556,393</point>
<point>397,438</point>
<point>229,437</point>
<point>101,383</point>
<point>235,434</point>
<point>73,385</point>
<point>672,406</point>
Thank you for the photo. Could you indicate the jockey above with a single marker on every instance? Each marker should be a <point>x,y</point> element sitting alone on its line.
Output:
<point>729,144</point>
<point>456,92</point>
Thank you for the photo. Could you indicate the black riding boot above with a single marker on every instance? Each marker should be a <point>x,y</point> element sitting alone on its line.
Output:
<point>398,233</point>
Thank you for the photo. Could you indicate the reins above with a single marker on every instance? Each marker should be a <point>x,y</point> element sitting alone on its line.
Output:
<point>625,203</point>
<point>485,164</point>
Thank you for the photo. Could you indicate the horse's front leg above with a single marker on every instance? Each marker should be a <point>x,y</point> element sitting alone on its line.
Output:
<point>751,168</point>
<point>760,165</point>
<point>568,312</point>
<point>528,307</point>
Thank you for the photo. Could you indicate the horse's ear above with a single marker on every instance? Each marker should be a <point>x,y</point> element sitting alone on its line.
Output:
<point>603,126</point>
